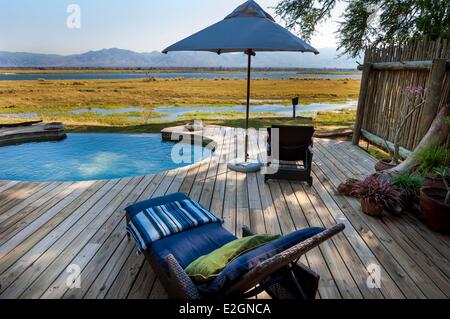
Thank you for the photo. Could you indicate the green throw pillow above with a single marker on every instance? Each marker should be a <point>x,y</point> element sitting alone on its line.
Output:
<point>206,268</point>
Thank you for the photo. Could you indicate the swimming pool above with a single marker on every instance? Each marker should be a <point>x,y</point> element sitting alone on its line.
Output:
<point>93,157</point>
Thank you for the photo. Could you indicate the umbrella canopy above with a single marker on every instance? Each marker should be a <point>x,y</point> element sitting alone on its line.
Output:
<point>247,29</point>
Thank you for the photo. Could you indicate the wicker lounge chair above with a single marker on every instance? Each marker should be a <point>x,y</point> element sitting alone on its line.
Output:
<point>295,156</point>
<point>281,276</point>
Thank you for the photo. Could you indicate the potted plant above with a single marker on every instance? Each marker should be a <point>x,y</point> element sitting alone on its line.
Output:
<point>414,100</point>
<point>376,194</point>
<point>435,204</point>
<point>431,160</point>
<point>346,188</point>
<point>409,186</point>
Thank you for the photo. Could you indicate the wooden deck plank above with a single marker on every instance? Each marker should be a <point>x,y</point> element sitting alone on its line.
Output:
<point>113,229</point>
<point>16,266</point>
<point>16,190</point>
<point>7,185</point>
<point>143,283</point>
<point>362,250</point>
<point>204,167</point>
<point>269,214</point>
<point>230,195</point>
<point>36,267</point>
<point>418,277</point>
<point>215,186</point>
<point>158,291</point>
<point>208,180</point>
<point>328,286</point>
<point>109,273</point>
<point>39,222</point>
<point>417,263</point>
<point>356,267</point>
<point>96,272</point>
<point>418,240</point>
<point>43,231</point>
<point>34,200</point>
<point>26,216</point>
<point>35,280</point>
<point>17,194</point>
<point>256,212</point>
<point>189,180</point>
<point>393,268</point>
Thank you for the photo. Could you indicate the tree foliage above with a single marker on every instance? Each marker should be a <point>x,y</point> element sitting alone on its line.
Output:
<point>370,22</point>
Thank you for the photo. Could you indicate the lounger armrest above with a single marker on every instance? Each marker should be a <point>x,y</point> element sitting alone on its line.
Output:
<point>186,287</point>
<point>275,263</point>
<point>246,231</point>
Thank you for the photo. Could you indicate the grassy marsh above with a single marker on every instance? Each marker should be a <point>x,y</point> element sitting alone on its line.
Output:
<point>55,100</point>
<point>41,95</point>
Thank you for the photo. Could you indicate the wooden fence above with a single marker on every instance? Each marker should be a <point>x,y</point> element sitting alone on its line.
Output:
<point>386,74</point>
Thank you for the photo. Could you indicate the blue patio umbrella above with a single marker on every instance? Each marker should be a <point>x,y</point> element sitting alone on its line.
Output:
<point>248,29</point>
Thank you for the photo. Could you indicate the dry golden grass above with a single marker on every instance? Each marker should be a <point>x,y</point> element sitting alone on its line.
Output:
<point>50,96</point>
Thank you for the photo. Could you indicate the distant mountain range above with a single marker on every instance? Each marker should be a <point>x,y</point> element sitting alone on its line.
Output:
<point>118,58</point>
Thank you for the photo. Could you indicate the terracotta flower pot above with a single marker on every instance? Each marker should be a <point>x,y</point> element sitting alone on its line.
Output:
<point>434,182</point>
<point>435,212</point>
<point>371,209</point>
<point>383,165</point>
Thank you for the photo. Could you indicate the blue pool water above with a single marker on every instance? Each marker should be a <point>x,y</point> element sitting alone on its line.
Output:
<point>92,157</point>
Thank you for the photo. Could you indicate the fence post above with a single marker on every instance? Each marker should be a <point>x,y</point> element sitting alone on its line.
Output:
<point>433,95</point>
<point>367,69</point>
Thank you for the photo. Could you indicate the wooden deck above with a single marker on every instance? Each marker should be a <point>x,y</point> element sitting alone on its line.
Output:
<point>45,227</point>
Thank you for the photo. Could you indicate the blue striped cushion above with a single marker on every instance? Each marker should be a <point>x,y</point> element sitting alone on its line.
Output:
<point>157,222</point>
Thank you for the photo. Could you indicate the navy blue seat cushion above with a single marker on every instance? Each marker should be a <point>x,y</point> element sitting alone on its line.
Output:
<point>157,201</point>
<point>241,265</point>
<point>189,245</point>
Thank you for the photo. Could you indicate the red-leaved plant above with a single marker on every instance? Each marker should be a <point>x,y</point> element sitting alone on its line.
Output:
<point>377,191</point>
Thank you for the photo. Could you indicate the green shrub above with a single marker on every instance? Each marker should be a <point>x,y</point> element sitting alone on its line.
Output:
<point>409,183</point>
<point>433,157</point>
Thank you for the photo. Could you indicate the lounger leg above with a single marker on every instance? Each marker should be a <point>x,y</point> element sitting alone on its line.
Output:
<point>297,285</point>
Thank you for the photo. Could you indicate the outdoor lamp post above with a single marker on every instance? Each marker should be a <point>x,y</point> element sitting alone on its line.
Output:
<point>294,104</point>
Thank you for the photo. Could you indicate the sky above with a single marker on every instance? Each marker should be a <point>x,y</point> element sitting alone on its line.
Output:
<point>40,26</point>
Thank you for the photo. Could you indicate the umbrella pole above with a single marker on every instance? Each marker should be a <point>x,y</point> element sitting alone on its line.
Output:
<point>247,115</point>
